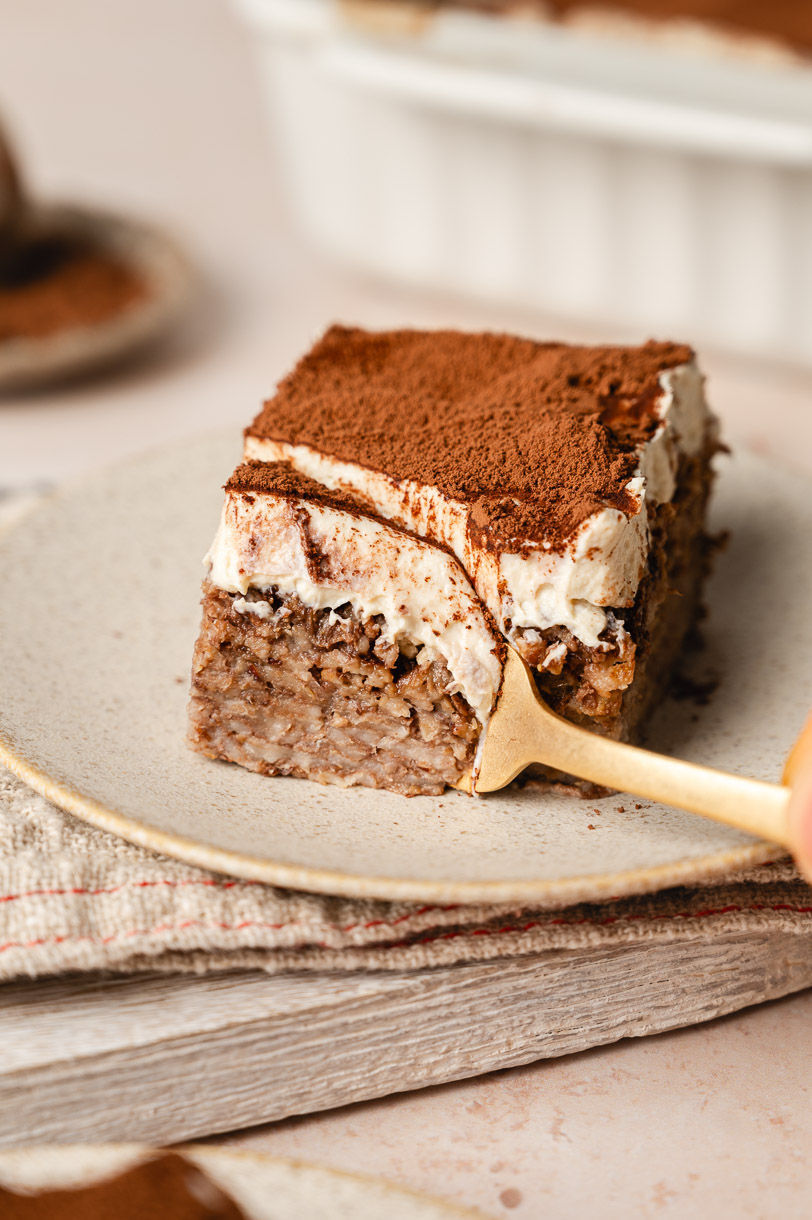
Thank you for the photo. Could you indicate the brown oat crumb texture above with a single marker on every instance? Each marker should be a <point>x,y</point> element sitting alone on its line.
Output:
<point>63,285</point>
<point>165,1188</point>
<point>533,437</point>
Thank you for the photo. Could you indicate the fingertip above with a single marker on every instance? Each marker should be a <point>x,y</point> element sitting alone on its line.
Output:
<point>800,821</point>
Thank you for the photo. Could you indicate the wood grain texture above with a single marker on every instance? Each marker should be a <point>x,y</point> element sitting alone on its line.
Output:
<point>170,1058</point>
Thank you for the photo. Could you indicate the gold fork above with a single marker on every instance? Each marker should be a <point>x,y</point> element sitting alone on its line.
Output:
<point>524,730</point>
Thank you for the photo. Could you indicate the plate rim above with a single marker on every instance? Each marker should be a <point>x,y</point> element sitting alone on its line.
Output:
<point>549,894</point>
<point>560,892</point>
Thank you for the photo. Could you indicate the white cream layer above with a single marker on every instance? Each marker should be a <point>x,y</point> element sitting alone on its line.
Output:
<point>534,585</point>
<point>424,596</point>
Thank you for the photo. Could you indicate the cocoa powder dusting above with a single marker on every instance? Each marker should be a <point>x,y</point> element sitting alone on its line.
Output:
<point>533,437</point>
<point>167,1186</point>
<point>281,479</point>
<point>61,284</point>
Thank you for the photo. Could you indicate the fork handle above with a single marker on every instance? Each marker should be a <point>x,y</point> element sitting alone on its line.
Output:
<point>535,734</point>
<point>750,805</point>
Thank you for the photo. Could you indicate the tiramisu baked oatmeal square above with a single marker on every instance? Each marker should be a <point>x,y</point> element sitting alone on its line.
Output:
<point>409,501</point>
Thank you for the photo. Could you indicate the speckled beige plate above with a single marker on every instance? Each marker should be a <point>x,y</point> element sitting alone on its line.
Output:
<point>164,269</point>
<point>267,1188</point>
<point>98,615</point>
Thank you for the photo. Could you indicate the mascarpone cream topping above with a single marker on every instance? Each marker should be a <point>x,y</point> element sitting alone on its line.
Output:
<point>330,558</point>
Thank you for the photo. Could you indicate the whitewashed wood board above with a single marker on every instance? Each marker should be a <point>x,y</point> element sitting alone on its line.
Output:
<point>167,1058</point>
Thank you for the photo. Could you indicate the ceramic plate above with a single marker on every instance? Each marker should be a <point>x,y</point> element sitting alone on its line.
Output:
<point>98,617</point>
<point>267,1188</point>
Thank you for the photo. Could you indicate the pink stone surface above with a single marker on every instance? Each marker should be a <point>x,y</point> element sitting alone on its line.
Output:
<point>711,1122</point>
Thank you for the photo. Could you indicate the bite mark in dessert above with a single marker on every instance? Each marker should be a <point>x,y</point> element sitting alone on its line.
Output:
<point>569,483</point>
<point>336,646</point>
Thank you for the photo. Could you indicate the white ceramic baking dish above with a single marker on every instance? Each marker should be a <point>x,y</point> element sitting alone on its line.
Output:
<point>590,177</point>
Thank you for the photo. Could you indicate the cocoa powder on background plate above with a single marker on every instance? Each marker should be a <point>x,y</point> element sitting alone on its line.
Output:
<point>63,283</point>
<point>166,1186</point>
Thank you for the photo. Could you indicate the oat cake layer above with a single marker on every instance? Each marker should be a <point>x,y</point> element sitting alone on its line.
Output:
<point>550,495</point>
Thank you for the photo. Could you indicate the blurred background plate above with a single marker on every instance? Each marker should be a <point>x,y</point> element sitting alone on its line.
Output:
<point>154,258</point>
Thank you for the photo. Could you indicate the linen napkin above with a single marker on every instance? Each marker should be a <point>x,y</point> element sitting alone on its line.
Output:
<point>73,898</point>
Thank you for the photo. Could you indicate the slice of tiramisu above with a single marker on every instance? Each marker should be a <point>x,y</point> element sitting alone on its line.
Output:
<point>433,482</point>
